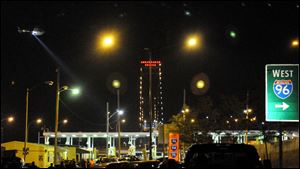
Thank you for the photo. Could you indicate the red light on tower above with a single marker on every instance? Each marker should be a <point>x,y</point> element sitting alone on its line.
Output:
<point>150,63</point>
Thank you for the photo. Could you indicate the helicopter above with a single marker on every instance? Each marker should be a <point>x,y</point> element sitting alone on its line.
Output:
<point>37,31</point>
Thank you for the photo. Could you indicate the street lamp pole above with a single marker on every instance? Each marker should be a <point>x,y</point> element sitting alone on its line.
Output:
<point>183,108</point>
<point>25,151</point>
<point>119,126</point>
<point>26,125</point>
<point>247,111</point>
<point>107,127</point>
<point>56,116</point>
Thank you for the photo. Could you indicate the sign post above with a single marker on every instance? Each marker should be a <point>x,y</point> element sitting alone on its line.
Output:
<point>282,96</point>
<point>282,93</point>
<point>173,146</point>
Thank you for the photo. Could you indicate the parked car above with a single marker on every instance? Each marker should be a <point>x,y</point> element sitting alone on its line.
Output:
<point>222,156</point>
<point>103,162</point>
<point>122,164</point>
<point>146,164</point>
<point>169,163</point>
<point>129,158</point>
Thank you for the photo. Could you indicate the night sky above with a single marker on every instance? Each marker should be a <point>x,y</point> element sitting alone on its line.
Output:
<point>264,32</point>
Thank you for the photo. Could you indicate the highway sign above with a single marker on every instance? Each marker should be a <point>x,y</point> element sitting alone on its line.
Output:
<point>282,92</point>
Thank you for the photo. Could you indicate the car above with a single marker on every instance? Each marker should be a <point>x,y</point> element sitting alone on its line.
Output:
<point>146,164</point>
<point>222,156</point>
<point>122,164</point>
<point>169,163</point>
<point>104,161</point>
<point>129,158</point>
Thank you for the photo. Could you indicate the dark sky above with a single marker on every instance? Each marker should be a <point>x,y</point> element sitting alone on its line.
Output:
<point>264,33</point>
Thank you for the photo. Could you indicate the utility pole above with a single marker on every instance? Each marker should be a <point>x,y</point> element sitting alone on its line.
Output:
<point>119,125</point>
<point>183,108</point>
<point>107,127</point>
<point>247,117</point>
<point>56,117</point>
<point>25,151</point>
<point>280,145</point>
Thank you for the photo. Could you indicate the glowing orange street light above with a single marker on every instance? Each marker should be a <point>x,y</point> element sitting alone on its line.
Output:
<point>65,121</point>
<point>107,41</point>
<point>192,120</point>
<point>123,120</point>
<point>295,43</point>
<point>10,119</point>
<point>193,42</point>
<point>38,121</point>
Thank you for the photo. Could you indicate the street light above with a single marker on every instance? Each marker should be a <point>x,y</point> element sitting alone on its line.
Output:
<point>50,83</point>
<point>117,84</point>
<point>65,121</point>
<point>247,111</point>
<point>232,34</point>
<point>9,119</point>
<point>192,120</point>
<point>200,84</point>
<point>193,42</point>
<point>119,113</point>
<point>107,41</point>
<point>58,91</point>
<point>295,43</point>
<point>38,121</point>
<point>25,149</point>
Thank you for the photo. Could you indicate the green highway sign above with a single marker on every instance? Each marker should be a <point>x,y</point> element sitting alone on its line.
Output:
<point>282,92</point>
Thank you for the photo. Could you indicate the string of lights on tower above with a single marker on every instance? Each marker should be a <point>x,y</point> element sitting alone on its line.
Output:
<point>157,88</point>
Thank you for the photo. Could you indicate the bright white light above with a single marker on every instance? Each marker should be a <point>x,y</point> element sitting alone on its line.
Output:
<point>116,84</point>
<point>10,119</point>
<point>75,91</point>
<point>63,135</point>
<point>120,112</point>
<point>73,135</point>
<point>187,13</point>
<point>84,135</point>
<point>200,84</point>
<point>192,42</point>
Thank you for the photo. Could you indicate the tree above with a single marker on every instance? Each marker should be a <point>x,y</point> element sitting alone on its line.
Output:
<point>187,126</point>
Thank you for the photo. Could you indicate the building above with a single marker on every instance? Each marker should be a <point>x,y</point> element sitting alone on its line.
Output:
<point>41,154</point>
<point>157,94</point>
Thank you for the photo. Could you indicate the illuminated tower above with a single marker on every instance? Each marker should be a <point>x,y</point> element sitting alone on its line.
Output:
<point>157,94</point>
